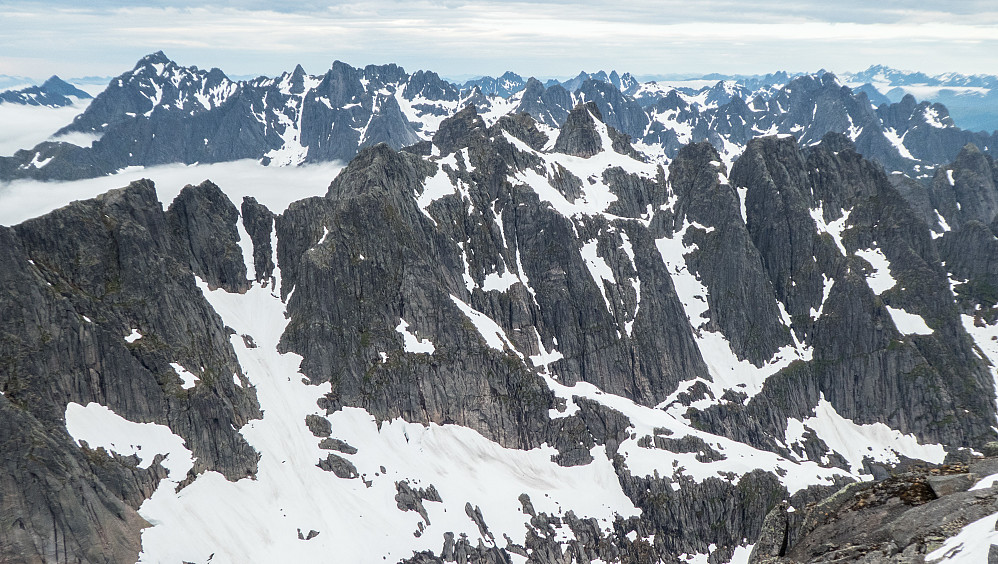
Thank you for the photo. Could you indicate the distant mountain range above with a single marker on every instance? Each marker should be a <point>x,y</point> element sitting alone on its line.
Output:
<point>972,100</point>
<point>161,112</point>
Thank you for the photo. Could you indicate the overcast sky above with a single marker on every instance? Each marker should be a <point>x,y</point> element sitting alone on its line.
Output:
<point>543,38</point>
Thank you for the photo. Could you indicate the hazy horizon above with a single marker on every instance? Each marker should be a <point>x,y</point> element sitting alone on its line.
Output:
<point>462,39</point>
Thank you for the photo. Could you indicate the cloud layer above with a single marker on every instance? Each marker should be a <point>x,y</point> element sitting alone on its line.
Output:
<point>548,38</point>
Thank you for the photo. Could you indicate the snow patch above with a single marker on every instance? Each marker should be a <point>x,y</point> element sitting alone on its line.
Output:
<point>98,426</point>
<point>908,323</point>
<point>598,269</point>
<point>411,342</point>
<point>898,142</point>
<point>189,379</point>
<point>257,520</point>
<point>493,334</point>
<point>739,458</point>
<point>826,290</point>
<point>970,546</point>
<point>854,441</point>
<point>834,228</point>
<point>880,279</point>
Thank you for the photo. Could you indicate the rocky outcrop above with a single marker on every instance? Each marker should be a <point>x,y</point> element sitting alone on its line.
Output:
<point>900,519</point>
<point>458,131</point>
<point>259,224</point>
<point>967,189</point>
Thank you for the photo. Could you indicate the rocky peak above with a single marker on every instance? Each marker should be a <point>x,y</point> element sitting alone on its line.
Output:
<point>578,137</point>
<point>459,130</point>
<point>296,80</point>
<point>835,142</point>
<point>547,105</point>
<point>429,85</point>
<point>619,111</point>
<point>972,182</point>
<point>54,92</point>
<point>378,170</point>
<point>157,58</point>
<point>202,222</point>
<point>56,85</point>
<point>387,74</point>
<point>511,77</point>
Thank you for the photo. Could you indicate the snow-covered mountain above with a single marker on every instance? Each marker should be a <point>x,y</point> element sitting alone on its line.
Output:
<point>971,99</point>
<point>161,112</point>
<point>505,86</point>
<point>513,340</point>
<point>884,75</point>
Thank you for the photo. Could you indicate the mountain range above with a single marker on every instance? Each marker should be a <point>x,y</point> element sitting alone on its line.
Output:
<point>161,112</point>
<point>556,326</point>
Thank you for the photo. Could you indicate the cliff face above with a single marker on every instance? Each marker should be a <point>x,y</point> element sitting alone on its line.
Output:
<point>98,305</point>
<point>641,362</point>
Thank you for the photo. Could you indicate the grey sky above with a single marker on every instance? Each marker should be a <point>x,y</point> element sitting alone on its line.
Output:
<point>545,38</point>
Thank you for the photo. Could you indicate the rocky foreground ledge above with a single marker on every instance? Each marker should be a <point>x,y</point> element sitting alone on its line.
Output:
<point>918,514</point>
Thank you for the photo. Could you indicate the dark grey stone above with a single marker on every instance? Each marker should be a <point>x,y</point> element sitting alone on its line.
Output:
<point>951,483</point>
<point>338,465</point>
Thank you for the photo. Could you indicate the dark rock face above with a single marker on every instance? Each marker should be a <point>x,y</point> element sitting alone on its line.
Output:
<point>854,334</point>
<point>579,137</point>
<point>55,505</point>
<point>69,301</point>
<point>202,222</point>
<point>388,125</point>
<point>725,260</point>
<point>623,114</point>
<point>259,224</point>
<point>967,190</point>
<point>370,212</point>
<point>523,128</point>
